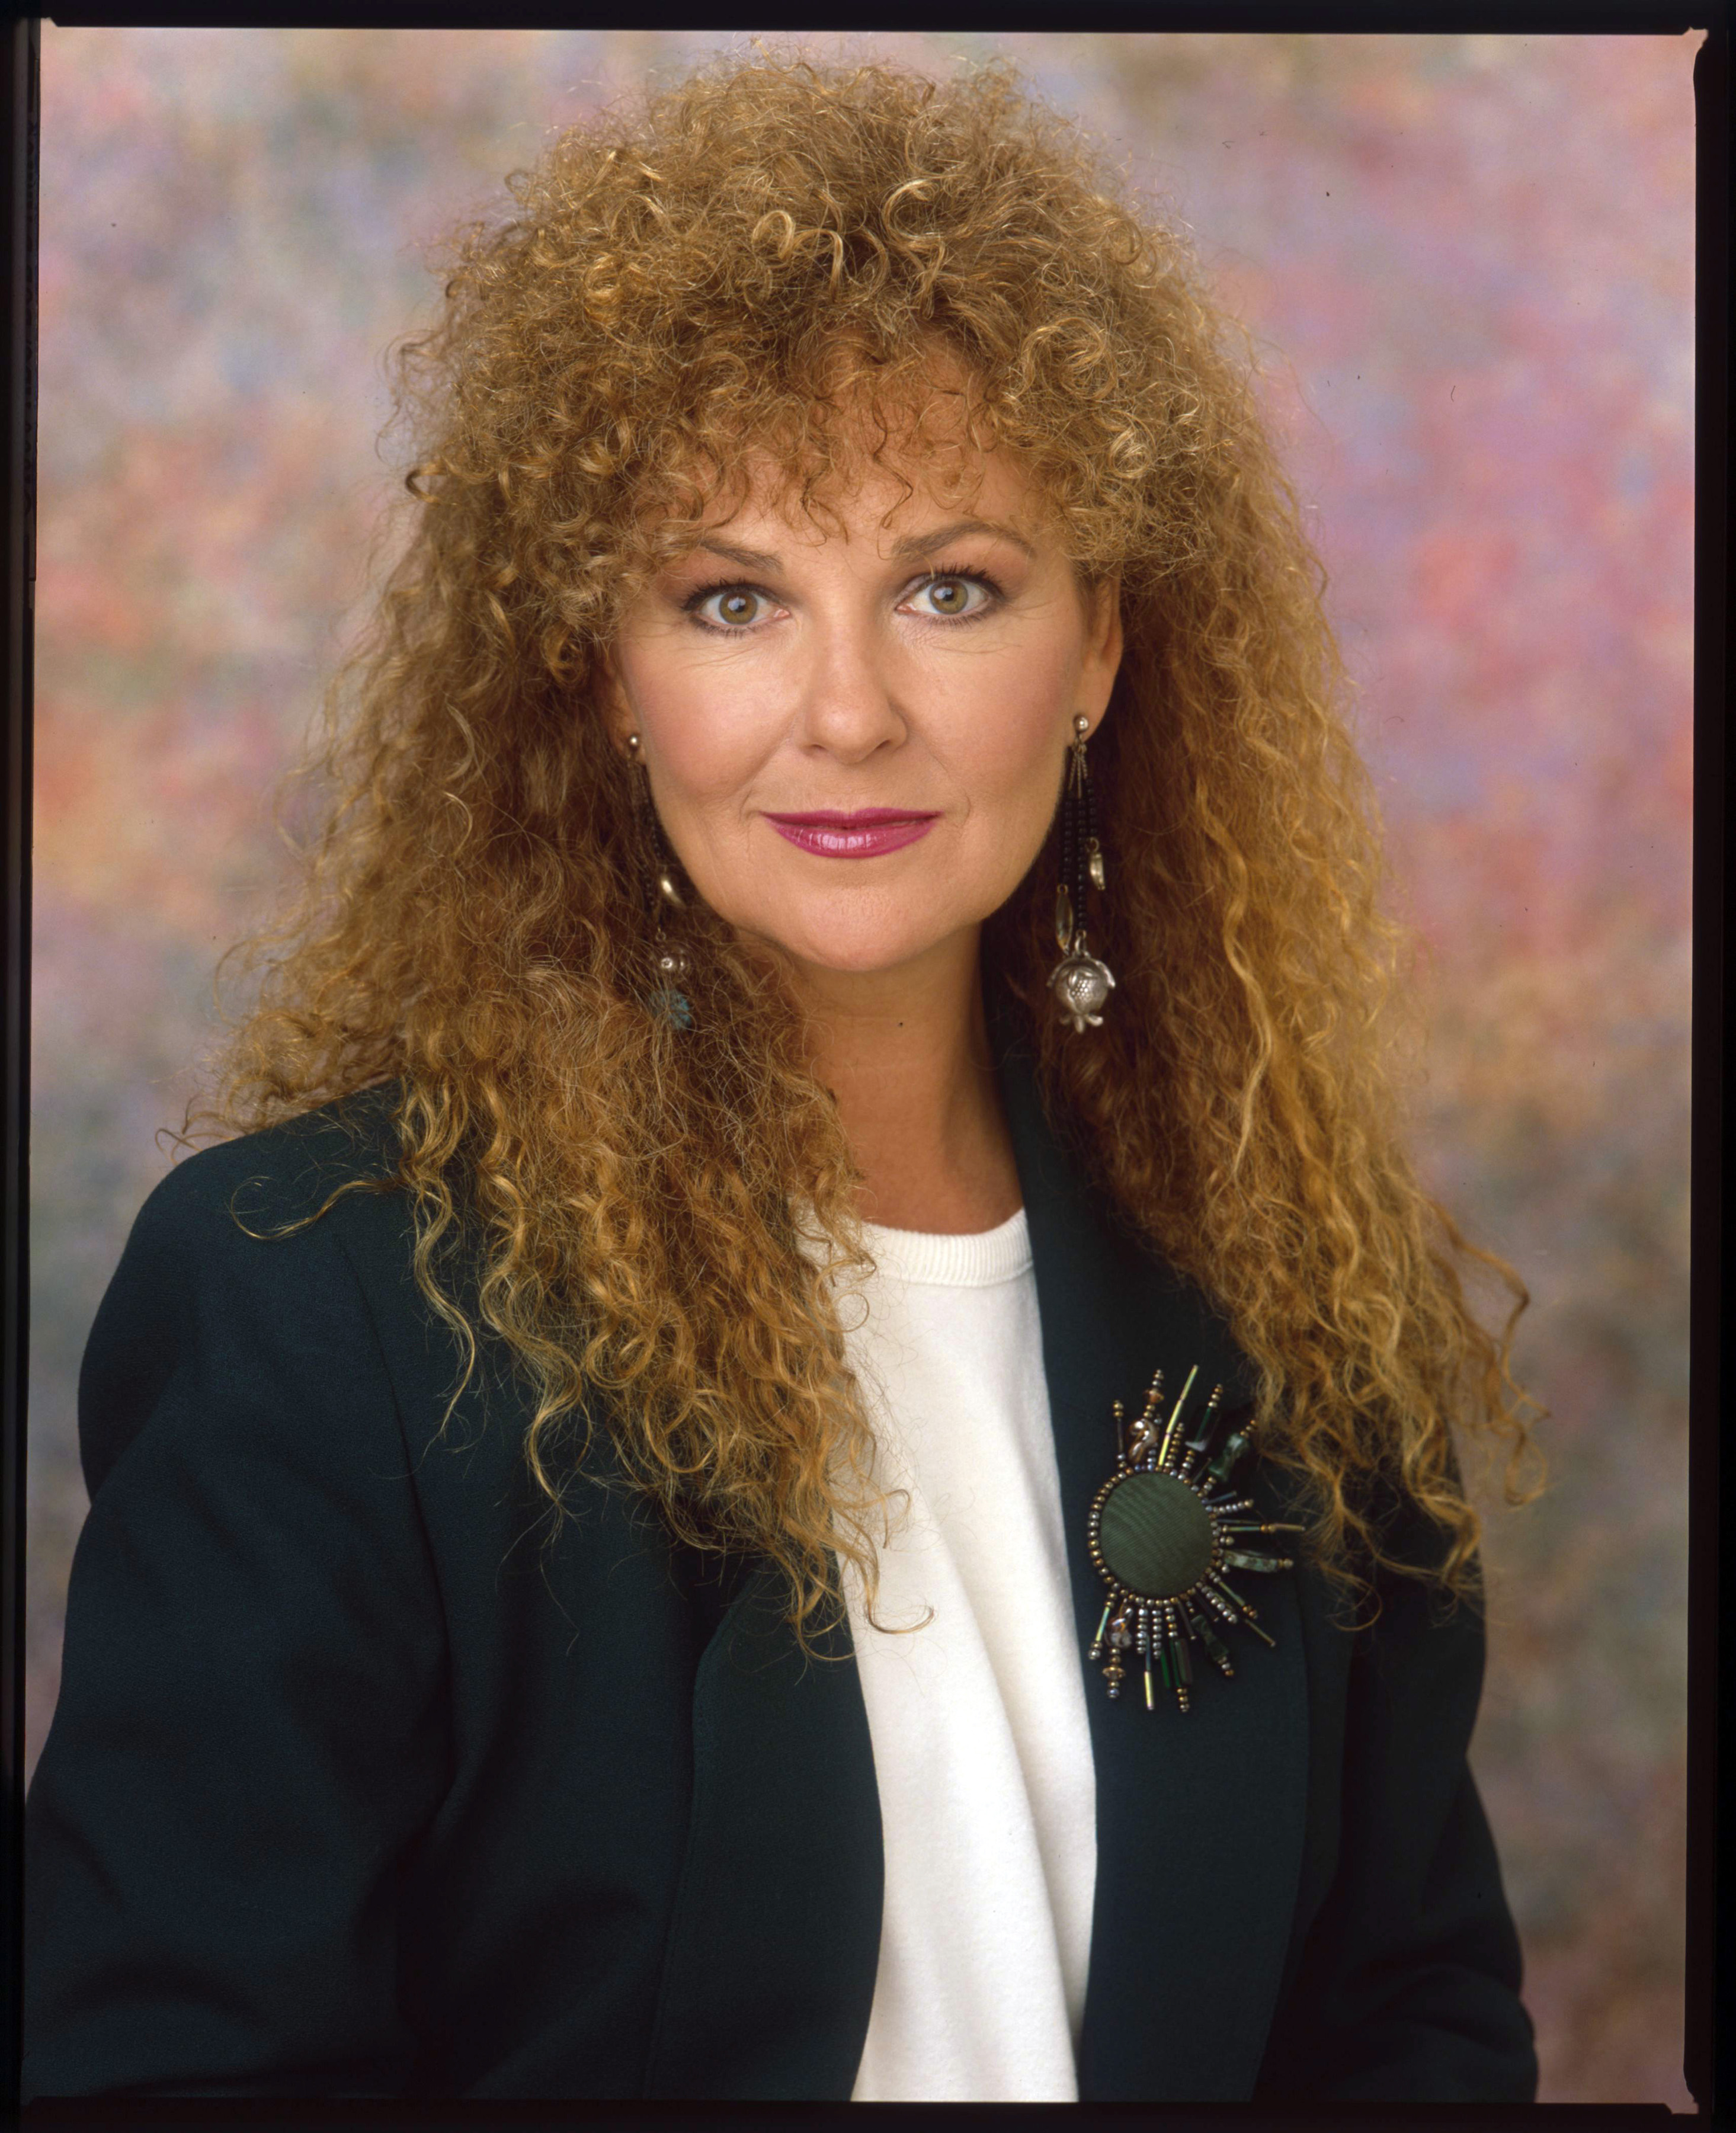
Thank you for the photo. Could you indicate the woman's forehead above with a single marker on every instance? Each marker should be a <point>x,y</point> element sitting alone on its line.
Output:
<point>894,485</point>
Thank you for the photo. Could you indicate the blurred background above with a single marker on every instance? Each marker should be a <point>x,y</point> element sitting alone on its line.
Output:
<point>1469,261</point>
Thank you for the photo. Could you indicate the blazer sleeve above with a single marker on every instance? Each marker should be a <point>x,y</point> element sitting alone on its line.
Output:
<point>251,1730</point>
<point>1407,1984</point>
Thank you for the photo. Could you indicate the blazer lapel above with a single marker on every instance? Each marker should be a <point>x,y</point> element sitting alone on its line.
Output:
<point>768,1976</point>
<point>1201,1816</point>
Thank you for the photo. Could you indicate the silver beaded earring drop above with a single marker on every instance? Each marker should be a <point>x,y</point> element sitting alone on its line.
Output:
<point>673,964</point>
<point>1080,981</point>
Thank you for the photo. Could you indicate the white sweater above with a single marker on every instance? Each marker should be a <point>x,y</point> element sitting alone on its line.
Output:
<point>982,1752</point>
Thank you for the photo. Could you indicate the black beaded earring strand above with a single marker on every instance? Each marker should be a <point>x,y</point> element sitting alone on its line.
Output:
<point>1080,981</point>
<point>674,965</point>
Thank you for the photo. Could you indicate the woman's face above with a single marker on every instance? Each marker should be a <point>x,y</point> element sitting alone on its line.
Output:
<point>855,728</point>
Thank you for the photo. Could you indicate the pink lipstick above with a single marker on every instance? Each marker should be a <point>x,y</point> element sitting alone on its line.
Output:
<point>862,836</point>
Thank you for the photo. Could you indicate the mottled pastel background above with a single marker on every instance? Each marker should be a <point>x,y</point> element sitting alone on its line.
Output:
<point>1469,260</point>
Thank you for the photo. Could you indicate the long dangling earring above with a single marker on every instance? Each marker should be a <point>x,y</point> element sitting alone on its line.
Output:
<point>673,964</point>
<point>1079,981</point>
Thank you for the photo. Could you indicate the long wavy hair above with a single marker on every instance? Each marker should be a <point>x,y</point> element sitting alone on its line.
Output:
<point>742,260</point>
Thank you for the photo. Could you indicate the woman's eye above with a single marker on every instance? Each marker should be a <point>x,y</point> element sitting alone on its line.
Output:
<point>952,596</point>
<point>734,607</point>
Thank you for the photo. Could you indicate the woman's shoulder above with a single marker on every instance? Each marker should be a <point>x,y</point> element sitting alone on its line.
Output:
<point>269,1207</point>
<point>272,1183</point>
<point>248,1257</point>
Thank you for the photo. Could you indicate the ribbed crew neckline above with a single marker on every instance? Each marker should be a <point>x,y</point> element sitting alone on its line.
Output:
<point>976,1260</point>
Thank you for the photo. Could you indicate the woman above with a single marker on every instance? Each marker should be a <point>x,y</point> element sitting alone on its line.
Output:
<point>638,1543</point>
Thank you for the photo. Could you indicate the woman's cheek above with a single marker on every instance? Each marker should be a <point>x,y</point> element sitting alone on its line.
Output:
<point>1012,744</point>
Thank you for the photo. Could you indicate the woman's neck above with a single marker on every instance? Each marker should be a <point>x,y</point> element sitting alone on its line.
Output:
<point>906,1055</point>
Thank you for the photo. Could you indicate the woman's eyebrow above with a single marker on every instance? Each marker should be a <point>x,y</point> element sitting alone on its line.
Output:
<point>750,559</point>
<point>924,544</point>
<point>904,551</point>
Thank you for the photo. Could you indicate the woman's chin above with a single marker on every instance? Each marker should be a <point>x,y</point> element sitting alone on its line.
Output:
<point>843,951</point>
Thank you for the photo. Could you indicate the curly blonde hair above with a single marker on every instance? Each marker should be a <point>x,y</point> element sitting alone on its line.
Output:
<point>731,263</point>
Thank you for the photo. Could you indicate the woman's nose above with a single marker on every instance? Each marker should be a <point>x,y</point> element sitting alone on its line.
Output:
<point>849,702</point>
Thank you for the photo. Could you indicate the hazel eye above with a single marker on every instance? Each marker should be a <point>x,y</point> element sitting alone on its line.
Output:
<point>952,596</point>
<point>734,607</point>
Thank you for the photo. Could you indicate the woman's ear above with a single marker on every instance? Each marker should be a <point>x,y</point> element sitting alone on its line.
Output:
<point>1103,643</point>
<point>618,713</point>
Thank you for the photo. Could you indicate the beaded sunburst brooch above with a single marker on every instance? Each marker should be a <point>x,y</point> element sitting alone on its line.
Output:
<point>1165,1528</point>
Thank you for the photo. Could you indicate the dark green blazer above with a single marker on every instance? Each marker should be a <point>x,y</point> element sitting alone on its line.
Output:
<point>353,1788</point>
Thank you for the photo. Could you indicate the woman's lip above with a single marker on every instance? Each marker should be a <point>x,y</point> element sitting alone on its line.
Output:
<point>863,818</point>
<point>863,837</point>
